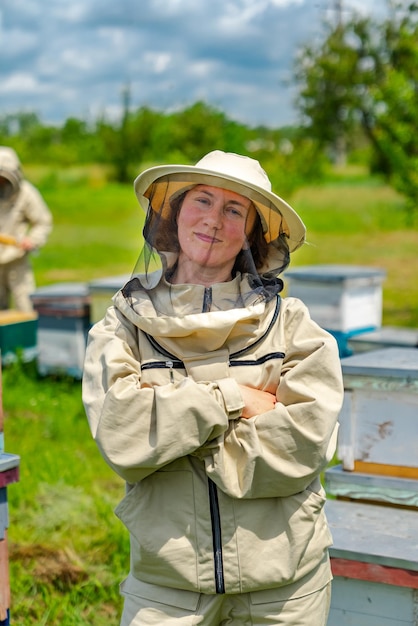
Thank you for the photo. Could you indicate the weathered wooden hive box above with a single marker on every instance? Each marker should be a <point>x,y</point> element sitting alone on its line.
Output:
<point>379,419</point>
<point>17,335</point>
<point>9,473</point>
<point>372,508</point>
<point>101,292</point>
<point>63,323</point>
<point>374,560</point>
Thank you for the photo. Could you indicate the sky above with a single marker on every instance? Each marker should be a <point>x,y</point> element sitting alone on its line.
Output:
<point>64,59</point>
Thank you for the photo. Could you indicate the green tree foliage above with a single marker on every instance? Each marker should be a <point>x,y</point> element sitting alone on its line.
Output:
<point>365,73</point>
<point>117,141</point>
<point>394,121</point>
<point>144,137</point>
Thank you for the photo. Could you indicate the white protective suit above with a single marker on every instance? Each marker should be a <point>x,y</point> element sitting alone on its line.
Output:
<point>23,216</point>
<point>215,504</point>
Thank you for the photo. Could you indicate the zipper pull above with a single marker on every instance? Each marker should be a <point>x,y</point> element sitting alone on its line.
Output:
<point>207,300</point>
<point>170,365</point>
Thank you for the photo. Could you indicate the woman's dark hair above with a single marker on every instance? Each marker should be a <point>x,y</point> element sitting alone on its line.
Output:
<point>258,250</point>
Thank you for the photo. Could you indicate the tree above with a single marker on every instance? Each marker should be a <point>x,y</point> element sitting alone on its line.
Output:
<point>116,140</point>
<point>366,73</point>
<point>198,129</point>
<point>393,120</point>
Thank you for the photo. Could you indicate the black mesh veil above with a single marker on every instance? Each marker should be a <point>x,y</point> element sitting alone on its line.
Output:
<point>256,266</point>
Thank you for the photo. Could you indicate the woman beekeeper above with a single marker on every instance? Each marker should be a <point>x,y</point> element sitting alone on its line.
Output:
<point>217,402</point>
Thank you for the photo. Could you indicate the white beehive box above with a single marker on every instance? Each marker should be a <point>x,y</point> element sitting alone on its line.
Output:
<point>101,292</point>
<point>63,323</point>
<point>341,298</point>
<point>379,419</point>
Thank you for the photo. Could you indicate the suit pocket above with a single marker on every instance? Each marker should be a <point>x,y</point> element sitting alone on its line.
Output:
<point>159,513</point>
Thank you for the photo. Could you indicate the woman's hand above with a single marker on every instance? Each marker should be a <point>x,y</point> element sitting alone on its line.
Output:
<point>256,401</point>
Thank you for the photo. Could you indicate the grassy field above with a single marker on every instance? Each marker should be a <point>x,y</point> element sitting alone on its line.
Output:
<point>356,220</point>
<point>68,552</point>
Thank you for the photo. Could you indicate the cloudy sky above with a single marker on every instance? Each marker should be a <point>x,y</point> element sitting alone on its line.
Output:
<point>64,58</point>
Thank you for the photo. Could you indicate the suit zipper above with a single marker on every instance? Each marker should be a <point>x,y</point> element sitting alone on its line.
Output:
<point>207,300</point>
<point>216,537</point>
<point>213,497</point>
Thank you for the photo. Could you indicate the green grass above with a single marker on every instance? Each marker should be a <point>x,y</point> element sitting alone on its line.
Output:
<point>363,222</point>
<point>68,552</point>
<point>96,232</point>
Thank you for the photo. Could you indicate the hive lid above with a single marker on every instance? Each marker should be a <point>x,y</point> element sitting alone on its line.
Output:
<point>11,316</point>
<point>113,283</point>
<point>334,273</point>
<point>386,362</point>
<point>62,290</point>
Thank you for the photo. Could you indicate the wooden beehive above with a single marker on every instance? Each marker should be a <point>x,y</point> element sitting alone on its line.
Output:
<point>373,516</point>
<point>374,560</point>
<point>340,298</point>
<point>101,292</point>
<point>384,337</point>
<point>18,335</point>
<point>379,419</point>
<point>9,473</point>
<point>63,323</point>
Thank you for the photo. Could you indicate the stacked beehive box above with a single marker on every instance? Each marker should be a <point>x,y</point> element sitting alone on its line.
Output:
<point>101,292</point>
<point>17,335</point>
<point>374,513</point>
<point>346,300</point>
<point>64,315</point>
<point>385,337</point>
<point>9,473</point>
<point>63,322</point>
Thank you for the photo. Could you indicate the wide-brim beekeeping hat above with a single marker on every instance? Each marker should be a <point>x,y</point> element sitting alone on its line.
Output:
<point>159,185</point>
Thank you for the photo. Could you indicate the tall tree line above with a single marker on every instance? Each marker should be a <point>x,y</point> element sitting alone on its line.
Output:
<point>145,136</point>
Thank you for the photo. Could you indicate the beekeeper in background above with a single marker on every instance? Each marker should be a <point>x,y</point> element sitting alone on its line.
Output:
<point>25,223</point>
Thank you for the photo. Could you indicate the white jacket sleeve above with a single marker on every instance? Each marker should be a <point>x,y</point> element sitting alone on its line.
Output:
<point>280,452</point>
<point>28,216</point>
<point>37,214</point>
<point>140,428</point>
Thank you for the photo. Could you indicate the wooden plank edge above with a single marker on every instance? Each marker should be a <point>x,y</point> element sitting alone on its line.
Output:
<point>373,572</point>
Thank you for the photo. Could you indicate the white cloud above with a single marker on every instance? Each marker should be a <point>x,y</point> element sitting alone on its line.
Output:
<point>159,62</point>
<point>20,83</point>
<point>284,3</point>
<point>77,57</point>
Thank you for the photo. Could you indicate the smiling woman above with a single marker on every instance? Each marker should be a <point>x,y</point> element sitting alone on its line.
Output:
<point>216,401</point>
<point>212,226</point>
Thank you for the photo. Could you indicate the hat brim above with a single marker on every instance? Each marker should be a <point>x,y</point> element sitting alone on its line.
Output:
<point>276,215</point>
